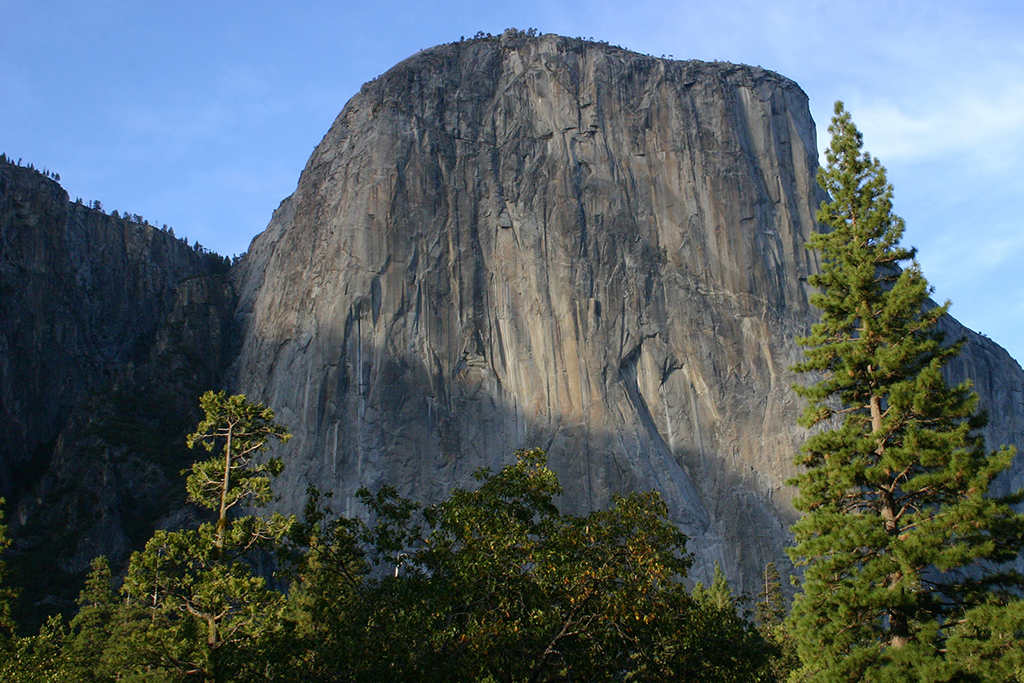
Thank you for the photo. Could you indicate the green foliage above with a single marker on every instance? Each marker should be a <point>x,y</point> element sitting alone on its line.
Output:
<point>198,608</point>
<point>495,584</point>
<point>239,430</point>
<point>194,605</point>
<point>532,594</point>
<point>7,627</point>
<point>89,638</point>
<point>491,584</point>
<point>770,617</point>
<point>738,652</point>
<point>898,532</point>
<point>771,609</point>
<point>988,644</point>
<point>38,658</point>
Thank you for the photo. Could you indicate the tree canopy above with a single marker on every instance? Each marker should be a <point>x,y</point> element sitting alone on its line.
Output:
<point>492,583</point>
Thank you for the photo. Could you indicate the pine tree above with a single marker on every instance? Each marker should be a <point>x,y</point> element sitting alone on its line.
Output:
<point>91,628</point>
<point>899,537</point>
<point>770,619</point>
<point>242,430</point>
<point>194,606</point>
<point>771,608</point>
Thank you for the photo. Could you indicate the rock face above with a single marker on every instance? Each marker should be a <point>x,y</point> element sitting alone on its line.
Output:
<point>546,242</point>
<point>109,331</point>
<point>500,243</point>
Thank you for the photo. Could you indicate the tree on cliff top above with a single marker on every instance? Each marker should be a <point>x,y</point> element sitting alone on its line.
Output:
<point>899,539</point>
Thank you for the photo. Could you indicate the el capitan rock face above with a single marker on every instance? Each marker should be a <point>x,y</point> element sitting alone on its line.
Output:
<point>500,243</point>
<point>546,242</point>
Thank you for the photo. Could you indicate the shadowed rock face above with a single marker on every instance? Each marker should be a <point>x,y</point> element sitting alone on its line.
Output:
<point>84,298</point>
<point>109,331</point>
<point>546,242</point>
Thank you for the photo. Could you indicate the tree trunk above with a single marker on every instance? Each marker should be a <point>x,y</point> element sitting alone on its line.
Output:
<point>222,519</point>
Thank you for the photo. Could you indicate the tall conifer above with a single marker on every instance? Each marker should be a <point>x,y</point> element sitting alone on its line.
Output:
<point>899,539</point>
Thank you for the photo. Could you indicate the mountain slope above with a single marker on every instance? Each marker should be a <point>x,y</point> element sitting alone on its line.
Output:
<point>109,331</point>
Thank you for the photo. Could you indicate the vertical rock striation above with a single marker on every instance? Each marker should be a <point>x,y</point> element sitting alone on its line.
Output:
<point>546,242</point>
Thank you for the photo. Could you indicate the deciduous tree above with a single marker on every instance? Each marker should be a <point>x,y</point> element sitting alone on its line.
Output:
<point>495,584</point>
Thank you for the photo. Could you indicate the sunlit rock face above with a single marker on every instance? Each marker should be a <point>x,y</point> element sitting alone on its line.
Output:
<point>546,242</point>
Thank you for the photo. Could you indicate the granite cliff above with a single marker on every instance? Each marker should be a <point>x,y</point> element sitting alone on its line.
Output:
<point>504,242</point>
<point>548,242</point>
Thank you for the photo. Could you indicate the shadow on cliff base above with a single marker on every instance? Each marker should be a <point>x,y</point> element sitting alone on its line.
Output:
<point>380,416</point>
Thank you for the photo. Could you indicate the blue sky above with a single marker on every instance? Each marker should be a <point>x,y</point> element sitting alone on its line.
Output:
<point>201,115</point>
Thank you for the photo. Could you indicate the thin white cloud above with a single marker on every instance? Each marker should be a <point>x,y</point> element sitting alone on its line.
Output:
<point>955,258</point>
<point>988,126</point>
